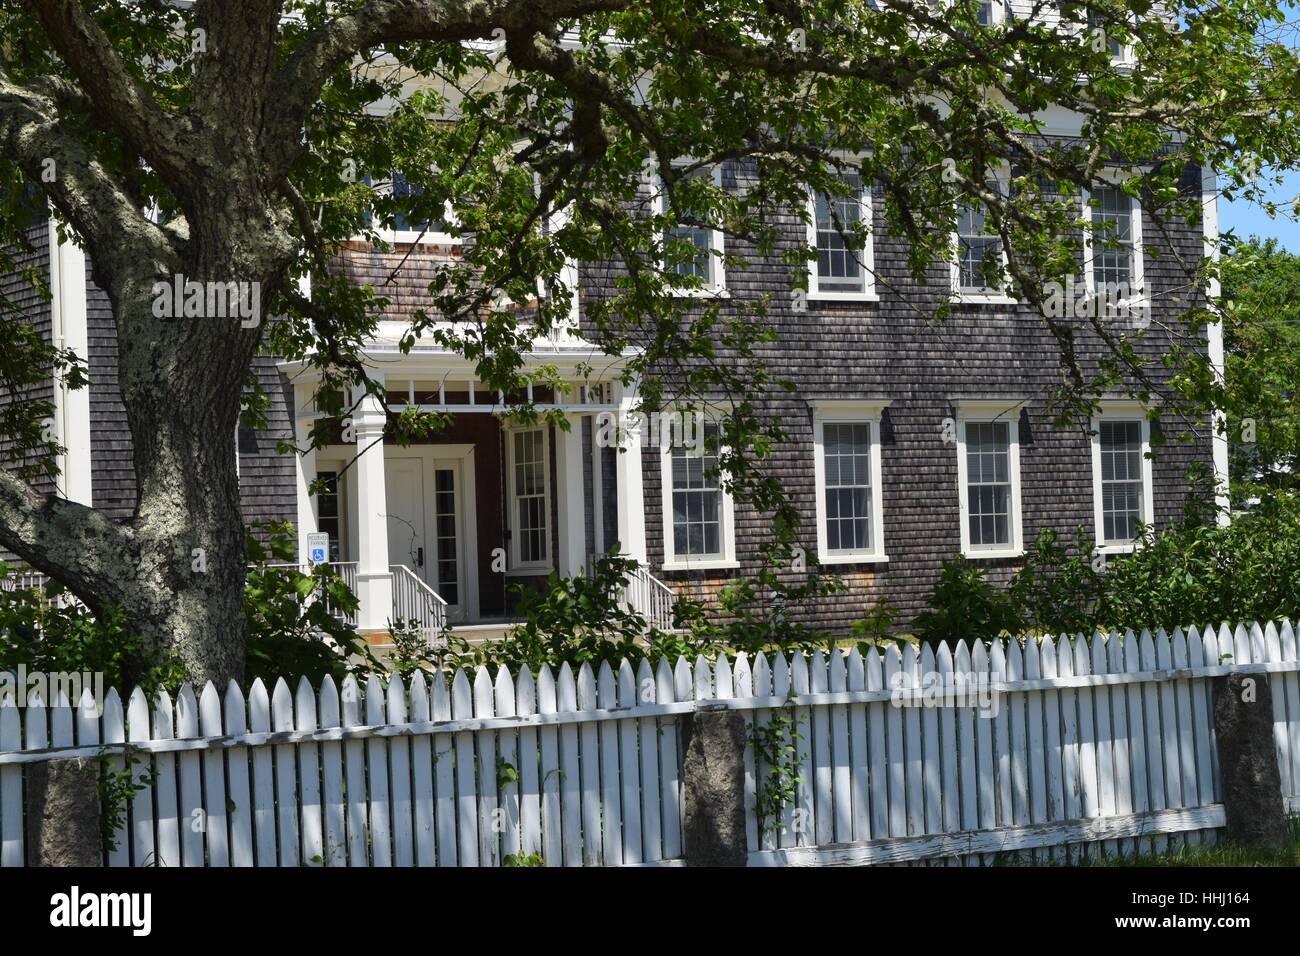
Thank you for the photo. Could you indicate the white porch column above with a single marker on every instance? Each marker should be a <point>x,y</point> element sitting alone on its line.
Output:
<point>69,330</point>
<point>304,466</point>
<point>374,580</point>
<point>570,501</point>
<point>631,493</point>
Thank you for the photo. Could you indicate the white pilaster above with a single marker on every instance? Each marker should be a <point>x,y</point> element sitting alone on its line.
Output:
<point>68,329</point>
<point>1214,343</point>
<point>374,580</point>
<point>304,466</point>
<point>631,493</point>
<point>570,502</point>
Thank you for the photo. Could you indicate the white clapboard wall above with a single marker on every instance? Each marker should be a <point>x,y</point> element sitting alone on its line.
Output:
<point>1101,745</point>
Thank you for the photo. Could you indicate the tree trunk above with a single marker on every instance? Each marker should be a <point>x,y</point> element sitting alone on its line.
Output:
<point>63,814</point>
<point>182,393</point>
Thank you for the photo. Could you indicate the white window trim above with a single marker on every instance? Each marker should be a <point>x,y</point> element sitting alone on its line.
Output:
<point>1127,55</point>
<point>1120,411</point>
<point>718,288</point>
<point>1139,299</point>
<point>836,412</point>
<point>727,533</point>
<point>431,237</point>
<point>514,566</point>
<point>1003,175</point>
<point>999,13</point>
<point>868,254</point>
<point>991,411</point>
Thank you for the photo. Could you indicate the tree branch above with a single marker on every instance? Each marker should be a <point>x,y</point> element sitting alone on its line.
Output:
<point>379,22</point>
<point>78,545</point>
<point>84,192</point>
<point>126,103</point>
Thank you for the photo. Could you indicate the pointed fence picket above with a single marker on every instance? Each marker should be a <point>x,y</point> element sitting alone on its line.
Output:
<point>1061,748</point>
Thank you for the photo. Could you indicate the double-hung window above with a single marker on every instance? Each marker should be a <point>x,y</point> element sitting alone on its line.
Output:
<point>846,464</point>
<point>528,488</point>
<point>1121,475</point>
<point>988,477</point>
<point>402,195</point>
<point>1113,246</point>
<point>699,518</point>
<point>979,269</point>
<point>1120,52</point>
<point>692,251</point>
<point>840,227</point>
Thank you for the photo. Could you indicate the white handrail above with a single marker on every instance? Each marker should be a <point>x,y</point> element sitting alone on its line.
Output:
<point>416,602</point>
<point>645,594</point>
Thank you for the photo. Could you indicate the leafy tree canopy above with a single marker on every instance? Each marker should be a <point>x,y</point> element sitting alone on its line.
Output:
<point>232,141</point>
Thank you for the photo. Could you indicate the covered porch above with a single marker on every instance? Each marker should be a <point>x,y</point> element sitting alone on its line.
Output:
<point>445,531</point>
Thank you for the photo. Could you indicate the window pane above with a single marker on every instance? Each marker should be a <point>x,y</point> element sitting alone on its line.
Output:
<point>530,494</point>
<point>846,456</point>
<point>988,480</point>
<point>979,255</point>
<point>697,497</point>
<point>1121,480</point>
<point>839,266</point>
<point>1112,242</point>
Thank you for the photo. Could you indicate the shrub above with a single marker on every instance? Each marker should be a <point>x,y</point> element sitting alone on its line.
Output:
<point>43,631</point>
<point>291,629</point>
<point>966,607</point>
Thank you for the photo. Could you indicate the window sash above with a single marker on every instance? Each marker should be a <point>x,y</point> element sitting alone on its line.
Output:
<point>841,263</point>
<point>697,514</point>
<point>989,485</point>
<point>531,531</point>
<point>1113,268</point>
<point>1122,480</point>
<point>846,464</point>
<point>975,247</point>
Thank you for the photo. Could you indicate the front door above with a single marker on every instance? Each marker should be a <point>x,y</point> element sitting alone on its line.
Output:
<point>404,490</point>
<point>425,526</point>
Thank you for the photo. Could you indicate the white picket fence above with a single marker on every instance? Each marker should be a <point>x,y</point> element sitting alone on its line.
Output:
<point>1097,745</point>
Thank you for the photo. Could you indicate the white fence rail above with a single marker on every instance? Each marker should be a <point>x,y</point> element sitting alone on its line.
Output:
<point>1104,743</point>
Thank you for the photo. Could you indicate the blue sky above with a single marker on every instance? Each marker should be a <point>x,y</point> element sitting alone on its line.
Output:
<point>1247,218</point>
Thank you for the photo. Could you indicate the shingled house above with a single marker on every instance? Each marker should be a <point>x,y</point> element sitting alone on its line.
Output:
<point>910,441</point>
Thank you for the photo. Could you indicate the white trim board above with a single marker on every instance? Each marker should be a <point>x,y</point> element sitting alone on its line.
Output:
<point>69,330</point>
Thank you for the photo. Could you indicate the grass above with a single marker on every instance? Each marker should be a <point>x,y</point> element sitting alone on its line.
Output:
<point>1219,854</point>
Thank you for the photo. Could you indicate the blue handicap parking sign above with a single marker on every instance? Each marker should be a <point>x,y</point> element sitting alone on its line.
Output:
<point>317,555</point>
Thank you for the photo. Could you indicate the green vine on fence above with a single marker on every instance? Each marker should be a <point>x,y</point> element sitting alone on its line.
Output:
<point>776,754</point>
<point>117,787</point>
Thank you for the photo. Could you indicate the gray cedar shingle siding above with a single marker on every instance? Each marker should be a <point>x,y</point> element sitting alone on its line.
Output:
<point>891,349</point>
<point>267,478</point>
<point>28,301</point>
<point>112,469</point>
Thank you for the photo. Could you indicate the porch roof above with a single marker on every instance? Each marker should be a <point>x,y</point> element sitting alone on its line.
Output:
<point>567,353</point>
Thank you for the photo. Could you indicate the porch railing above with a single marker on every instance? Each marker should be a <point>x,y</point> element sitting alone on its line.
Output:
<point>35,581</point>
<point>418,604</point>
<point>346,570</point>
<point>645,594</point>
